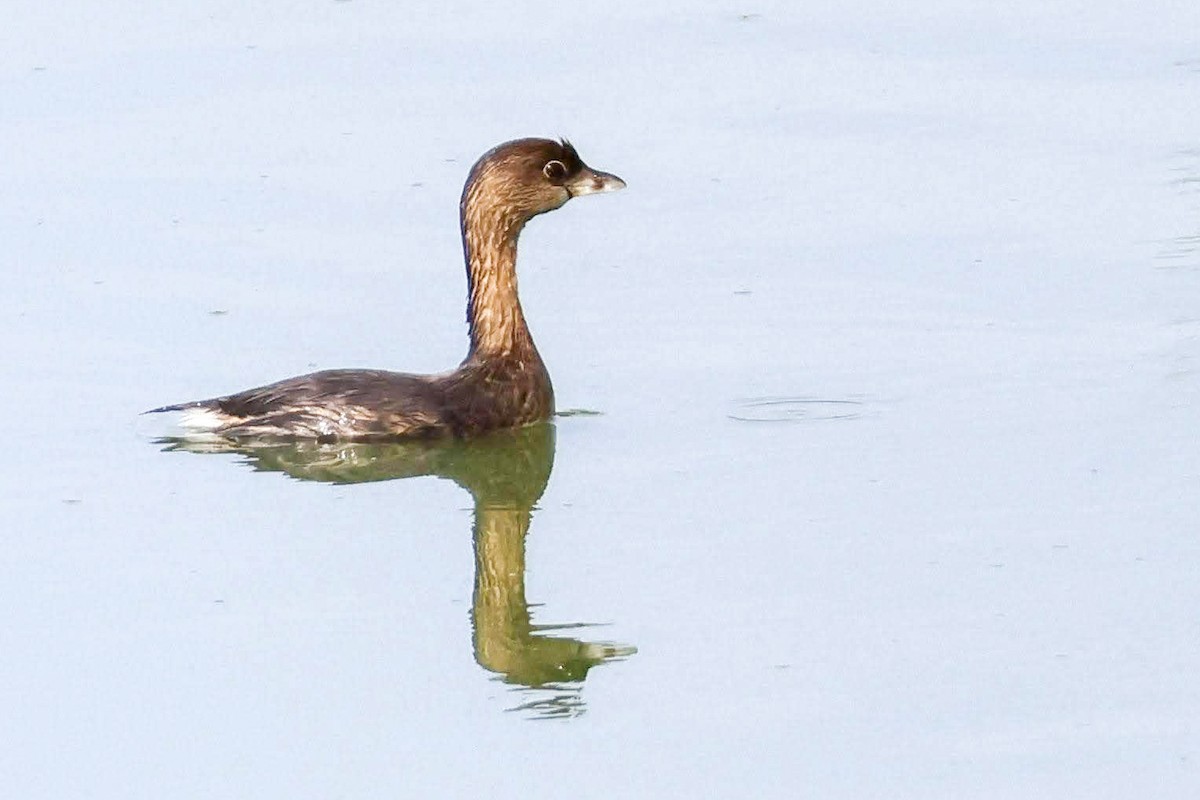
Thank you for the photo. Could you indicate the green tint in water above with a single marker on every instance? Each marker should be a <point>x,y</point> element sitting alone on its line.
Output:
<point>506,473</point>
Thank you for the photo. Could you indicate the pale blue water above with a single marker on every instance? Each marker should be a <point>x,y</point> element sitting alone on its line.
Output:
<point>894,338</point>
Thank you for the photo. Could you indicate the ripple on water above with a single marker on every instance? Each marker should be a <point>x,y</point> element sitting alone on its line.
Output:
<point>578,412</point>
<point>796,409</point>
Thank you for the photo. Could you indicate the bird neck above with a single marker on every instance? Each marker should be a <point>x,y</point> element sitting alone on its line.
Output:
<point>496,322</point>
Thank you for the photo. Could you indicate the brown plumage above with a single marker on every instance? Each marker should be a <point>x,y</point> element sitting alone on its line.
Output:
<point>502,383</point>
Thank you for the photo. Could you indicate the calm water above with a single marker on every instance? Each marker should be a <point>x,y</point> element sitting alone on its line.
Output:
<point>893,487</point>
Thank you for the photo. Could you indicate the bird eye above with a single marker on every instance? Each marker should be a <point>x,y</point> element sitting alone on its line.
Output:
<point>555,170</point>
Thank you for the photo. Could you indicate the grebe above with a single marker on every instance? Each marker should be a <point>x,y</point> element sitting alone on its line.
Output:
<point>502,383</point>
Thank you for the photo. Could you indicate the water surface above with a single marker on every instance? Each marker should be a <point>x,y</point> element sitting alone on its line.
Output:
<point>893,340</point>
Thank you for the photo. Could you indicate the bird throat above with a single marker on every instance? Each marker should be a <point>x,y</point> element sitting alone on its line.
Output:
<point>494,316</point>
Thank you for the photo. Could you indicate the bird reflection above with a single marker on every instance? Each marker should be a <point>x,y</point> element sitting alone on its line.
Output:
<point>505,473</point>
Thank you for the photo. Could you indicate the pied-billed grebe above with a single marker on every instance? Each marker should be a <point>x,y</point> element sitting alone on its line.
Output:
<point>502,383</point>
